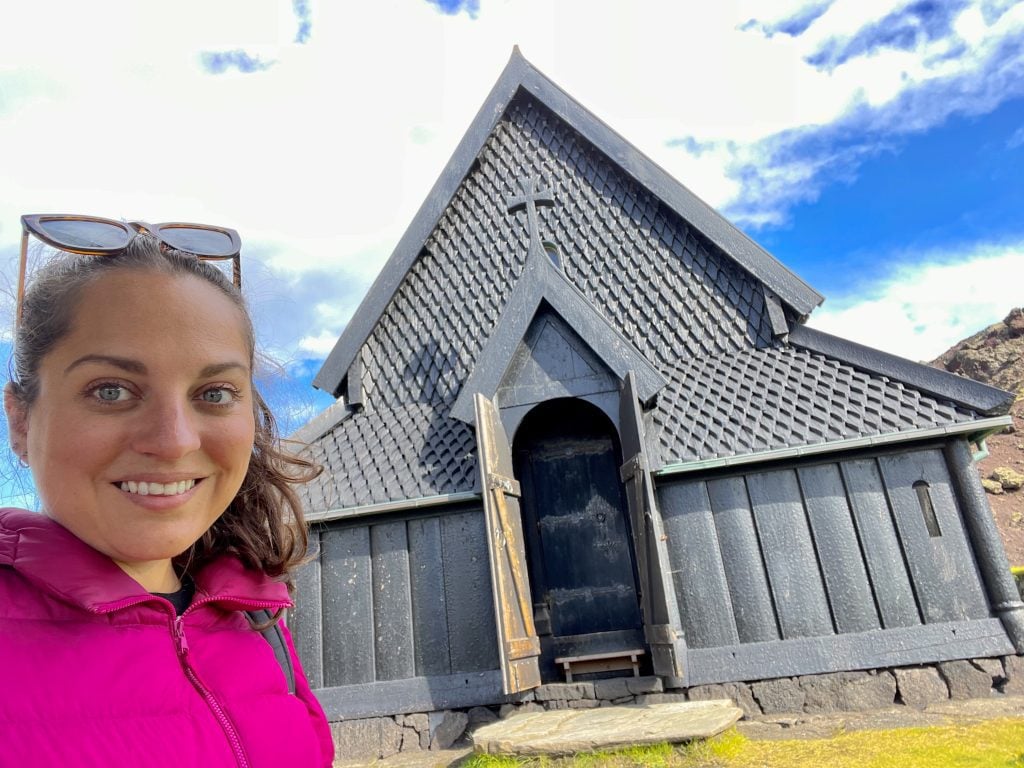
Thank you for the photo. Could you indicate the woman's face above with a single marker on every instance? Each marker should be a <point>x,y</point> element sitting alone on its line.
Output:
<point>143,427</point>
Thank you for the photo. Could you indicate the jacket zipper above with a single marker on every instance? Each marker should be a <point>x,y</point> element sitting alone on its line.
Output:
<point>218,711</point>
<point>181,645</point>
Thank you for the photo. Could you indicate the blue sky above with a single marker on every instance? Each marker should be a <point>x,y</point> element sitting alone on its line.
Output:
<point>876,147</point>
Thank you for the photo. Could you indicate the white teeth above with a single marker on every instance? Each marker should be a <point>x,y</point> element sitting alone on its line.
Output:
<point>157,489</point>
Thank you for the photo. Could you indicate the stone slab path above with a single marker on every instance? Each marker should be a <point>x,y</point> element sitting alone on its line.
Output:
<point>567,731</point>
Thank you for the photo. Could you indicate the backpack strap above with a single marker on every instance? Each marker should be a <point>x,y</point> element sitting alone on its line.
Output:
<point>275,637</point>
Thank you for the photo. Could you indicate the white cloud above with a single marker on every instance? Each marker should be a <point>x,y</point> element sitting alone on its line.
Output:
<point>322,160</point>
<point>328,153</point>
<point>1017,139</point>
<point>319,345</point>
<point>929,301</point>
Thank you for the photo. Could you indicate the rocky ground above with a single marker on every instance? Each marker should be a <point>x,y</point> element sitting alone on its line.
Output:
<point>995,356</point>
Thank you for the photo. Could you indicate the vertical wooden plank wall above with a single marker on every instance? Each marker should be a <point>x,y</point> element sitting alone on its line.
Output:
<point>467,586</point>
<point>698,571</point>
<point>306,618</point>
<point>944,563</point>
<point>794,572</point>
<point>347,589</point>
<point>846,578</point>
<point>393,599</point>
<point>429,601</point>
<point>392,602</point>
<point>883,553</point>
<point>741,555</point>
<point>819,549</point>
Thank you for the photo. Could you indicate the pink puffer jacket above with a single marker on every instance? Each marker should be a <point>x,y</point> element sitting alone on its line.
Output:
<point>98,672</point>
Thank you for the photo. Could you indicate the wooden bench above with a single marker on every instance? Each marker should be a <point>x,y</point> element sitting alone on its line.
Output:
<point>601,662</point>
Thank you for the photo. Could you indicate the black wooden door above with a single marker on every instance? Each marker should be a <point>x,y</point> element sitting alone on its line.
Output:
<point>579,545</point>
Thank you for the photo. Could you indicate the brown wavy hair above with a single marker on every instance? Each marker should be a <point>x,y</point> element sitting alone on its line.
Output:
<point>263,525</point>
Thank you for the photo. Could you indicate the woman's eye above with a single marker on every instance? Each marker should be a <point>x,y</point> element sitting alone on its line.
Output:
<point>111,393</point>
<point>218,396</point>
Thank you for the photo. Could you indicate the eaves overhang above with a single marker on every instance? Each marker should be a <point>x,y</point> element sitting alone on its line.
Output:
<point>973,430</point>
<point>986,399</point>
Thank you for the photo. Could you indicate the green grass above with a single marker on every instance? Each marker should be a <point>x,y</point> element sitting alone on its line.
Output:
<point>992,744</point>
<point>1018,576</point>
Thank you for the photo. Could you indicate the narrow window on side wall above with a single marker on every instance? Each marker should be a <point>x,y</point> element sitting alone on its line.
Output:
<point>924,498</point>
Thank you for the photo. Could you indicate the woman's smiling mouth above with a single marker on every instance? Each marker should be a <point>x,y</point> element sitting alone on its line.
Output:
<point>144,488</point>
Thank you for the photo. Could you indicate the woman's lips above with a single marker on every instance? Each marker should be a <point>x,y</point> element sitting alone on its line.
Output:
<point>144,488</point>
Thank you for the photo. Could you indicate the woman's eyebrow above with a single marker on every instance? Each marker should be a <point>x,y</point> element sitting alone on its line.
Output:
<point>218,368</point>
<point>124,363</point>
<point>129,365</point>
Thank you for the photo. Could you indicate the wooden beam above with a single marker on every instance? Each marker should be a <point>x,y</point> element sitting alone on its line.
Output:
<point>839,653</point>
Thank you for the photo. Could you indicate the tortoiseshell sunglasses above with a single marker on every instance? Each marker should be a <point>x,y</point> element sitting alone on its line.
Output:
<point>95,236</point>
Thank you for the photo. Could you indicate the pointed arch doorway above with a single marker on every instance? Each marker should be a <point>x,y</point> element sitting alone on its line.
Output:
<point>579,546</point>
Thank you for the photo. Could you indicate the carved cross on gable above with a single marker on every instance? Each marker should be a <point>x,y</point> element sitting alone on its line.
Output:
<point>532,196</point>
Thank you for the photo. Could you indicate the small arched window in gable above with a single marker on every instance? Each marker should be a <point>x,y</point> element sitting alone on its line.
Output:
<point>924,498</point>
<point>552,251</point>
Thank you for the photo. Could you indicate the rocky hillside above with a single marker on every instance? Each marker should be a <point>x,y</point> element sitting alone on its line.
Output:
<point>996,356</point>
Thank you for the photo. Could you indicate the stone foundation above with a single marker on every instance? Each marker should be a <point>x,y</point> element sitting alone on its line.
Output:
<point>915,687</point>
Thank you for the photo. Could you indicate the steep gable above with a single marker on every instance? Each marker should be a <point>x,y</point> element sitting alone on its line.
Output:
<point>657,281</point>
<point>527,113</point>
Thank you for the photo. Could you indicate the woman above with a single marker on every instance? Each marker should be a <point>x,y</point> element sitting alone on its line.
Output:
<point>126,631</point>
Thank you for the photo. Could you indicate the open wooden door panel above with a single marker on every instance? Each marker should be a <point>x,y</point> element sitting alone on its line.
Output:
<point>662,627</point>
<point>513,607</point>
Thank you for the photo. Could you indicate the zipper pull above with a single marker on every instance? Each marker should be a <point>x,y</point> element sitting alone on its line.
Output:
<point>179,636</point>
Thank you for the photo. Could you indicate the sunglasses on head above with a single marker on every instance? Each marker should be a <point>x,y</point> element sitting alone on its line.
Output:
<point>95,236</point>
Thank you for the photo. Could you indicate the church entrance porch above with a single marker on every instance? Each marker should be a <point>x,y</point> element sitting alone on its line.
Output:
<point>578,541</point>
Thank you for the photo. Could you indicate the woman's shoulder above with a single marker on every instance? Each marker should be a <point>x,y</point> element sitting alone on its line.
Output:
<point>20,528</point>
<point>21,531</point>
<point>13,519</point>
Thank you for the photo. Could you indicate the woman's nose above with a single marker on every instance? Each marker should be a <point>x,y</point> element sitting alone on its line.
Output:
<point>168,429</point>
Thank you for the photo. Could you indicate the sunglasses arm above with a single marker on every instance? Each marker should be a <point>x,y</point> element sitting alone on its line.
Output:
<point>21,277</point>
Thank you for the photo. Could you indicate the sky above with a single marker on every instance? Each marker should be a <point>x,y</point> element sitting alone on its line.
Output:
<point>876,148</point>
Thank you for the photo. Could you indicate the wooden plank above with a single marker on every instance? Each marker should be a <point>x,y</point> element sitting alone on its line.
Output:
<point>467,587</point>
<point>347,606</point>
<point>429,608</point>
<point>611,662</point>
<point>842,563</point>
<point>392,602</point>
<point>698,572</point>
<point>790,558</point>
<point>741,556</point>
<point>510,584</point>
<point>523,647</point>
<point>416,694</point>
<point>944,570</point>
<point>863,650</point>
<point>882,552</point>
<point>305,620</point>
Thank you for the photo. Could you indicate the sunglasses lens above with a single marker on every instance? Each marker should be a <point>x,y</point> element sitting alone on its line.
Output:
<point>201,242</point>
<point>85,234</point>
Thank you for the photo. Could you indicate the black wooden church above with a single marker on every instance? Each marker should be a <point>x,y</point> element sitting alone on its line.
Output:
<point>580,418</point>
